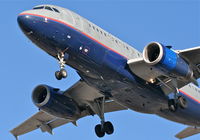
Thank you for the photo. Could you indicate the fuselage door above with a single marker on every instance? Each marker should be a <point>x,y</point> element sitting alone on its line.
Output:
<point>67,17</point>
<point>77,21</point>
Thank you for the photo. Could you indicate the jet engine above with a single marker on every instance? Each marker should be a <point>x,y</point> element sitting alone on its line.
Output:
<point>166,60</point>
<point>52,101</point>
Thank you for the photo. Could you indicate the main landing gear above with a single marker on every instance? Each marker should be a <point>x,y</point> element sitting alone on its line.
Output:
<point>178,101</point>
<point>104,127</point>
<point>62,73</point>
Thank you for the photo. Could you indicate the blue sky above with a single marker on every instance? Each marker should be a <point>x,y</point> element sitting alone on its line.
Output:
<point>137,22</point>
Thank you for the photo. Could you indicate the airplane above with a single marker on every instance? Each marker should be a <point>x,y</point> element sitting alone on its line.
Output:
<point>114,76</point>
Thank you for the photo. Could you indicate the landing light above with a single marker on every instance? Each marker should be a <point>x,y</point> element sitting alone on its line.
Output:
<point>45,19</point>
<point>152,80</point>
<point>68,36</point>
<point>27,16</point>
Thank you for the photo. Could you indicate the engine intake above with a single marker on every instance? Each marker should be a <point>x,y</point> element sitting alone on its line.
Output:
<point>52,101</point>
<point>41,95</point>
<point>164,58</point>
<point>153,53</point>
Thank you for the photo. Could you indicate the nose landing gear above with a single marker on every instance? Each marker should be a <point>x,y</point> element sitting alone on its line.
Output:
<point>62,73</point>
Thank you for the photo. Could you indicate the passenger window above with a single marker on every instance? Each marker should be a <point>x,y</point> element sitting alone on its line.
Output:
<point>40,7</point>
<point>48,8</point>
<point>56,10</point>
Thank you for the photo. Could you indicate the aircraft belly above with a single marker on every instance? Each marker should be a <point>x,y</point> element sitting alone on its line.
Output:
<point>138,99</point>
<point>182,118</point>
<point>127,93</point>
<point>142,99</point>
<point>188,116</point>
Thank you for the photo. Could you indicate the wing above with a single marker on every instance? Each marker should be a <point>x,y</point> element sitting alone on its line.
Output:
<point>189,131</point>
<point>40,120</point>
<point>192,55</point>
<point>150,73</point>
<point>141,69</point>
<point>83,94</point>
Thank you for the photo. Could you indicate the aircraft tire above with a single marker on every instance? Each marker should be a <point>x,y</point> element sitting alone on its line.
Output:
<point>98,130</point>
<point>182,102</point>
<point>108,128</point>
<point>58,75</point>
<point>63,73</point>
<point>172,105</point>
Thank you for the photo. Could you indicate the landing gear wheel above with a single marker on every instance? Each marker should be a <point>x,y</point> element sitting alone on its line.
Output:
<point>172,105</point>
<point>58,75</point>
<point>63,73</point>
<point>98,130</point>
<point>108,128</point>
<point>182,102</point>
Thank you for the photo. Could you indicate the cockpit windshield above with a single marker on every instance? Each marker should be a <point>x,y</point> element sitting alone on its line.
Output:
<point>56,10</point>
<point>39,7</point>
<point>47,8</point>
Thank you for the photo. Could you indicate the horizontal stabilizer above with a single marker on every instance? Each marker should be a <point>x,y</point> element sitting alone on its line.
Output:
<point>189,131</point>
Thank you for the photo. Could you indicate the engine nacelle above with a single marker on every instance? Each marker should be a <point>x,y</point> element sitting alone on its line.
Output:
<point>162,57</point>
<point>52,101</point>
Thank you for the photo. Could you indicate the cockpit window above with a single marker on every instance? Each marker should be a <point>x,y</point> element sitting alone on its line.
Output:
<point>56,10</point>
<point>40,7</point>
<point>48,8</point>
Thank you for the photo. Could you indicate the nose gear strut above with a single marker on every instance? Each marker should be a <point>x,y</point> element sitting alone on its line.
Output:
<point>62,73</point>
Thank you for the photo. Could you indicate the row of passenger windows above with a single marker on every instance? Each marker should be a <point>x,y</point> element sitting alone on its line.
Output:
<point>47,8</point>
<point>196,89</point>
<point>103,33</point>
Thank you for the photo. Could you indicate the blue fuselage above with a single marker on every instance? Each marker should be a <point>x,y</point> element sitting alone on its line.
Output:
<point>104,69</point>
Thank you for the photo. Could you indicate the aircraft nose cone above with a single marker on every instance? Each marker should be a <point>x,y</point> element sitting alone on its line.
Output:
<point>24,22</point>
